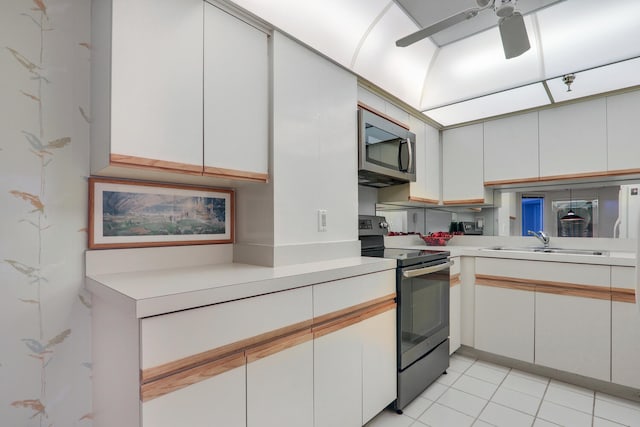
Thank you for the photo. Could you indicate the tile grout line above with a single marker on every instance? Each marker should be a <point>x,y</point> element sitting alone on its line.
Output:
<point>492,395</point>
<point>542,399</point>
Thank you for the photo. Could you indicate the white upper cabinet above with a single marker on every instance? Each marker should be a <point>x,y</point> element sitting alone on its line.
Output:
<point>147,84</point>
<point>623,128</point>
<point>236,81</point>
<point>427,185</point>
<point>573,139</point>
<point>511,149</point>
<point>462,165</point>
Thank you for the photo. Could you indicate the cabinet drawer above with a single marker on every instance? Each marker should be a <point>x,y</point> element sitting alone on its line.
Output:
<point>544,271</point>
<point>186,333</point>
<point>342,294</point>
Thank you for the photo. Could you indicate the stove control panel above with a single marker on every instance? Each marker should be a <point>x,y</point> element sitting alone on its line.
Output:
<point>369,225</point>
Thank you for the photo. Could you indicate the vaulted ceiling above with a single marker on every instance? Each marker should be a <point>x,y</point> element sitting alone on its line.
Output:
<point>461,74</point>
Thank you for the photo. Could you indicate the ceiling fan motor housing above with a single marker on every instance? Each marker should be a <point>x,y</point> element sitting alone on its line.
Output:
<point>505,8</point>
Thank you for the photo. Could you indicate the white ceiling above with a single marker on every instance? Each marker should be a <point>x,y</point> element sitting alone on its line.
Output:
<point>461,74</point>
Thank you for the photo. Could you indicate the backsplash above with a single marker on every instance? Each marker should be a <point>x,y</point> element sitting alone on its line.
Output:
<point>45,320</point>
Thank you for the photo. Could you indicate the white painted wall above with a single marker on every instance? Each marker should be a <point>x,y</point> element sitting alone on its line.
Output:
<point>314,146</point>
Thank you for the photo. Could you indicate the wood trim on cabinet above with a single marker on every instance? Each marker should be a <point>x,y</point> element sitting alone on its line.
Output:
<point>548,287</point>
<point>166,369</point>
<point>423,200</point>
<point>381,114</point>
<point>505,282</point>
<point>353,318</point>
<point>160,380</point>
<point>511,181</point>
<point>154,164</point>
<point>601,174</point>
<point>278,345</point>
<point>454,280</point>
<point>623,295</point>
<point>235,174</point>
<point>187,377</point>
<point>464,202</point>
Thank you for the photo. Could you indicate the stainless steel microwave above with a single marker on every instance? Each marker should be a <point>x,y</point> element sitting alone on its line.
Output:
<point>386,153</point>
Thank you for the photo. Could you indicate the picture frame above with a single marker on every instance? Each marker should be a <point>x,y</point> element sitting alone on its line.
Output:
<point>137,214</point>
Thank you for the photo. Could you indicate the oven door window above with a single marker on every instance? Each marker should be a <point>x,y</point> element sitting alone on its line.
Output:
<point>423,316</point>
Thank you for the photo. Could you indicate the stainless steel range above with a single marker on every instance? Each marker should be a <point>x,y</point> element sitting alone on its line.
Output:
<point>422,287</point>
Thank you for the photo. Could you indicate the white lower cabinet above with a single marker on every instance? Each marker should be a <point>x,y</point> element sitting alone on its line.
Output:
<point>354,360</point>
<point>625,328</point>
<point>504,322</point>
<point>318,355</point>
<point>574,334</point>
<point>217,401</point>
<point>378,363</point>
<point>504,310</point>
<point>337,368</point>
<point>280,389</point>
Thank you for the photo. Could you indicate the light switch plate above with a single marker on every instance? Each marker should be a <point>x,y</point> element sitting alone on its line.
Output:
<point>322,220</point>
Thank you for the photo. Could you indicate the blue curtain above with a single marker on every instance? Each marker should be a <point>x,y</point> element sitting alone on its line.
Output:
<point>532,208</point>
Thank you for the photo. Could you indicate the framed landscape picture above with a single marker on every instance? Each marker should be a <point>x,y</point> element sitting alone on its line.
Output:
<point>130,214</point>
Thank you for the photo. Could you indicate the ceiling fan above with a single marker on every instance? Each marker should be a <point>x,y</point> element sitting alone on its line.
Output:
<point>511,24</point>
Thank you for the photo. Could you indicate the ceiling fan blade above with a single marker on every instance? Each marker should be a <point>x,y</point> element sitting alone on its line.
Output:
<point>513,32</point>
<point>438,26</point>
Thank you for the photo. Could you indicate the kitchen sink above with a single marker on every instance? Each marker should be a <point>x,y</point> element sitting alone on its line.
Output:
<point>541,249</point>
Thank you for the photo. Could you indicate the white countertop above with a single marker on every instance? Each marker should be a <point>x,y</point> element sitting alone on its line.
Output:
<point>159,291</point>
<point>619,258</point>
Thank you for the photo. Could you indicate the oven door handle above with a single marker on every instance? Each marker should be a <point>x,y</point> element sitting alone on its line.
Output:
<point>425,270</point>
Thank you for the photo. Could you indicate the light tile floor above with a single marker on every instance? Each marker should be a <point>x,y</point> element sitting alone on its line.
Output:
<point>481,394</point>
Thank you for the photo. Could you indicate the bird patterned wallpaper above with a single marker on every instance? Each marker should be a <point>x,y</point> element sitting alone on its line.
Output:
<point>45,314</point>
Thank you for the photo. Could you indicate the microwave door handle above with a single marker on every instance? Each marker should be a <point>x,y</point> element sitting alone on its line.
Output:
<point>410,155</point>
<point>426,270</point>
<point>402,142</point>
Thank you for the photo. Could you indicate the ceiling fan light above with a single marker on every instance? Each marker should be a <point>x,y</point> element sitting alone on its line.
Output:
<point>513,32</point>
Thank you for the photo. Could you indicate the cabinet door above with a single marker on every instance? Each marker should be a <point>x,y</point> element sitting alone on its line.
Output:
<point>511,149</point>
<point>623,128</point>
<point>337,378</point>
<point>574,334</point>
<point>573,139</point>
<point>379,368</point>
<point>280,388</point>
<point>156,81</point>
<point>625,328</point>
<point>427,184</point>
<point>235,97</point>
<point>217,401</point>
<point>455,331</point>
<point>462,165</point>
<point>504,322</point>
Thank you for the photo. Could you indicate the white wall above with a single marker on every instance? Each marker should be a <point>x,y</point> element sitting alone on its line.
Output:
<point>45,362</point>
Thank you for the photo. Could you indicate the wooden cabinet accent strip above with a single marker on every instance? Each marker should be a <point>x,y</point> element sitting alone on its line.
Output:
<point>153,164</point>
<point>601,174</point>
<point>505,282</point>
<point>558,288</point>
<point>336,315</point>
<point>235,174</point>
<point>352,318</point>
<point>464,202</point>
<point>454,280</point>
<point>623,295</point>
<point>423,200</point>
<point>278,344</point>
<point>190,376</point>
<point>161,371</point>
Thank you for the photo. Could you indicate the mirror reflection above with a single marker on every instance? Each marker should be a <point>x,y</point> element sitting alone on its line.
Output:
<point>606,210</point>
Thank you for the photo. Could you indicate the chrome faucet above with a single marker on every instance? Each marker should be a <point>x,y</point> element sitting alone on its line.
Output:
<point>542,236</point>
